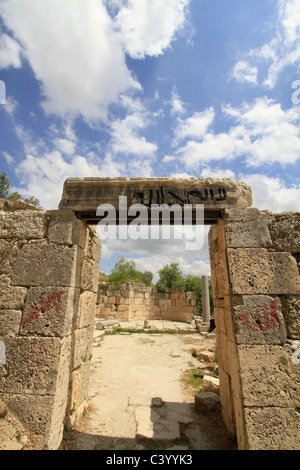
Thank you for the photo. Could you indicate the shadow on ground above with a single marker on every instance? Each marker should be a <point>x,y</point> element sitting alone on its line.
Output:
<point>163,426</point>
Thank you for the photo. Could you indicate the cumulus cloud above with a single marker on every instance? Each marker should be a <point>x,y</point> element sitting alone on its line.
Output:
<point>10,52</point>
<point>196,125</point>
<point>272,193</point>
<point>282,51</point>
<point>74,52</point>
<point>126,139</point>
<point>147,27</point>
<point>263,133</point>
<point>244,73</point>
<point>43,176</point>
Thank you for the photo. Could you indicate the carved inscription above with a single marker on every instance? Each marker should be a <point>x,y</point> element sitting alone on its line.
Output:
<point>178,196</point>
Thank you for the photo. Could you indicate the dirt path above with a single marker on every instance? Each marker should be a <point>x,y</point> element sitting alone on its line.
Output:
<point>138,400</point>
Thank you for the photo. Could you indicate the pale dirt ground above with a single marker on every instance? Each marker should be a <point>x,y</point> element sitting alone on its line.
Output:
<point>129,371</point>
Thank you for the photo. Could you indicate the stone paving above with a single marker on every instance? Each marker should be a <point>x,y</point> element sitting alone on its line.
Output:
<point>136,396</point>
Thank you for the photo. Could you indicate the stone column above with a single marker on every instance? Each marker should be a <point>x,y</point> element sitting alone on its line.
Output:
<point>205,300</point>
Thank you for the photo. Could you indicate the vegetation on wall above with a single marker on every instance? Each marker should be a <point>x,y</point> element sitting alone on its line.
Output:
<point>4,192</point>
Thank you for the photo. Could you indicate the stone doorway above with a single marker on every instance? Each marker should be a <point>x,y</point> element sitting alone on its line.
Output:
<point>49,272</point>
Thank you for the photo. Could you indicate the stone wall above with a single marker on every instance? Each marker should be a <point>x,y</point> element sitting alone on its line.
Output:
<point>49,265</point>
<point>256,288</point>
<point>132,301</point>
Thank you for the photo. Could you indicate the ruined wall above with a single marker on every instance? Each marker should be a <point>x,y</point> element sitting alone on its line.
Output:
<point>132,301</point>
<point>48,283</point>
<point>256,289</point>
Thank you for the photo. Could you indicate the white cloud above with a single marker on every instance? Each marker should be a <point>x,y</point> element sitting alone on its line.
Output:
<point>43,176</point>
<point>126,139</point>
<point>147,27</point>
<point>244,73</point>
<point>73,51</point>
<point>209,172</point>
<point>10,52</point>
<point>282,51</point>
<point>177,106</point>
<point>272,194</point>
<point>264,133</point>
<point>195,126</point>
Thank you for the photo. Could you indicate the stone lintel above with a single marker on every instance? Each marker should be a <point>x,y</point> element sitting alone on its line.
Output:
<point>84,195</point>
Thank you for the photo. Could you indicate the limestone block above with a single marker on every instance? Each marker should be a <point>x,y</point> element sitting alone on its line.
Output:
<point>10,322</point>
<point>207,402</point>
<point>211,384</point>
<point>48,265</point>
<point>49,311</point>
<point>90,274</point>
<point>259,320</point>
<point>33,365</point>
<point>285,231</point>
<point>9,250</point>
<point>82,345</point>
<point>266,378</point>
<point>247,228</point>
<point>23,224</point>
<point>227,401</point>
<point>11,297</point>
<point>86,314</point>
<point>36,413</point>
<point>94,245</point>
<point>283,428</point>
<point>291,314</point>
<point>65,228</point>
<point>258,271</point>
<point>79,386</point>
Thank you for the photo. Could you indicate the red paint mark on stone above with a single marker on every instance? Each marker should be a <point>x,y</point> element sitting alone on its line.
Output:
<point>261,325</point>
<point>43,307</point>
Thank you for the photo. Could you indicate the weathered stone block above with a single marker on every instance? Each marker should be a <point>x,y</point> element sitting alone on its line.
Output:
<point>207,402</point>
<point>247,228</point>
<point>282,432</point>
<point>285,231</point>
<point>79,386</point>
<point>82,345</point>
<point>23,224</point>
<point>10,322</point>
<point>49,311</point>
<point>65,228</point>
<point>259,320</point>
<point>87,304</point>
<point>9,250</point>
<point>258,271</point>
<point>48,265</point>
<point>265,376</point>
<point>11,297</point>
<point>291,314</point>
<point>33,365</point>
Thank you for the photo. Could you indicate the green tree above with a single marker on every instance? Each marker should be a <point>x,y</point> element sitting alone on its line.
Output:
<point>125,271</point>
<point>170,276</point>
<point>4,188</point>
<point>194,284</point>
<point>4,185</point>
<point>146,277</point>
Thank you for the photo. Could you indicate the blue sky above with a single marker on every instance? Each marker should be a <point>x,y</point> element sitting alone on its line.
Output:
<point>151,88</point>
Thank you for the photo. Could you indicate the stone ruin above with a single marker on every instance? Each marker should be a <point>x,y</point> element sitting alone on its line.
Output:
<point>131,302</point>
<point>49,281</point>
